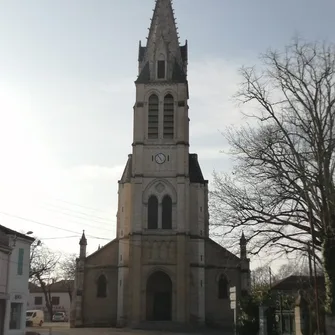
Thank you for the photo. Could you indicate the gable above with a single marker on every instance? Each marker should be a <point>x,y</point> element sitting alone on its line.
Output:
<point>218,256</point>
<point>107,255</point>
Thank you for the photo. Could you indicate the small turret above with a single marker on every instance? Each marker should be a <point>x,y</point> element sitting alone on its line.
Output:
<point>243,246</point>
<point>83,244</point>
<point>245,266</point>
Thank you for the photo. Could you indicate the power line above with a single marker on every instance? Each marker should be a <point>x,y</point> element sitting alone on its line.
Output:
<point>81,223</point>
<point>71,203</point>
<point>50,226</point>
<point>58,238</point>
<point>90,216</point>
<point>78,205</point>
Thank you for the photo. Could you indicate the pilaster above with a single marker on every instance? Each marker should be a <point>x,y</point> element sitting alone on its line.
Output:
<point>79,284</point>
<point>135,279</point>
<point>182,271</point>
<point>123,275</point>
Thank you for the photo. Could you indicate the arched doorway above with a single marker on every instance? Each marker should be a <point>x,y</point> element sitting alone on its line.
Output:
<point>159,297</point>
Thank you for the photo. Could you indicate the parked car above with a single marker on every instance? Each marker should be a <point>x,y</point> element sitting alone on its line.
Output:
<point>60,317</point>
<point>34,318</point>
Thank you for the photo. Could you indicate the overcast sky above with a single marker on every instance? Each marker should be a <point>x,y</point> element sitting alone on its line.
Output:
<point>67,71</point>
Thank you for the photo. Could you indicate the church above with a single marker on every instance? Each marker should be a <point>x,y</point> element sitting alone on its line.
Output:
<point>162,266</point>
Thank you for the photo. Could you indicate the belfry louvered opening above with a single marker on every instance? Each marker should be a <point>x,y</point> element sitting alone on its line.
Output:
<point>153,117</point>
<point>168,119</point>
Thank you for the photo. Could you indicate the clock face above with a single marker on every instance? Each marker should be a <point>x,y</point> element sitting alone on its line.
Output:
<point>160,158</point>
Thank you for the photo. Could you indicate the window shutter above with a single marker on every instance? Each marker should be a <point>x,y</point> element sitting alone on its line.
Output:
<point>20,262</point>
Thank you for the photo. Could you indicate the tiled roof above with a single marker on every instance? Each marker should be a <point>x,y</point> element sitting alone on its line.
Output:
<point>144,76</point>
<point>195,172</point>
<point>296,282</point>
<point>60,286</point>
<point>126,176</point>
<point>9,231</point>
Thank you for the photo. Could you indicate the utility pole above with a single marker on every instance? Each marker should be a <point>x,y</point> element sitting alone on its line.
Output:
<point>270,274</point>
<point>309,254</point>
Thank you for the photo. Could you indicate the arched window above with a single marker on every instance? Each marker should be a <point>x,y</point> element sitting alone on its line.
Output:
<point>102,287</point>
<point>153,116</point>
<point>168,119</point>
<point>153,212</point>
<point>167,213</point>
<point>223,287</point>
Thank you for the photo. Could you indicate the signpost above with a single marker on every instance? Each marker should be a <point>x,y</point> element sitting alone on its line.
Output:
<point>232,298</point>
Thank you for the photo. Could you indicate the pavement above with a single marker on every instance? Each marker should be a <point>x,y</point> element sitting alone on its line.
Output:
<point>62,328</point>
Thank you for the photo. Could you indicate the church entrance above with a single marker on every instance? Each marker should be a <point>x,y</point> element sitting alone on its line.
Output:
<point>159,297</point>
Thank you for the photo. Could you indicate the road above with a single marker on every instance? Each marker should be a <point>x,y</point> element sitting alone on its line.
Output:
<point>64,329</point>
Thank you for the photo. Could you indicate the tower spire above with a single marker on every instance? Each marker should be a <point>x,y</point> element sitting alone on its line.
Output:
<point>83,244</point>
<point>163,45</point>
<point>163,28</point>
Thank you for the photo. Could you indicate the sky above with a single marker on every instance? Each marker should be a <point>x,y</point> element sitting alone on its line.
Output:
<point>67,72</point>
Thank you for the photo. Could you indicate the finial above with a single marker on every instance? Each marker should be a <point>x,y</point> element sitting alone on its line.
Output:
<point>83,240</point>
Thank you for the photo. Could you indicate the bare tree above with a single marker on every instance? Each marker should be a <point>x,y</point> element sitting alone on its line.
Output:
<point>282,190</point>
<point>67,270</point>
<point>261,276</point>
<point>43,270</point>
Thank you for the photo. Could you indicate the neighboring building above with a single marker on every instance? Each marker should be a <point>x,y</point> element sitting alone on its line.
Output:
<point>287,289</point>
<point>60,294</point>
<point>292,284</point>
<point>162,266</point>
<point>17,285</point>
<point>4,263</point>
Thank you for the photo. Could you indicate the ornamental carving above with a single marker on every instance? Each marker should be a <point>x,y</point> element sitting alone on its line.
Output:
<point>160,188</point>
<point>159,251</point>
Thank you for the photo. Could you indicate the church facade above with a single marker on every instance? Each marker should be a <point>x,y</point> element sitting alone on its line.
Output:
<point>162,265</point>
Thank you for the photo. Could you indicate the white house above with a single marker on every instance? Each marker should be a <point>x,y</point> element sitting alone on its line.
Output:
<point>18,262</point>
<point>4,257</point>
<point>60,293</point>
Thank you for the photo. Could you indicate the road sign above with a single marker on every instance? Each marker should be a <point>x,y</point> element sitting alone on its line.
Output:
<point>233,304</point>
<point>232,297</point>
<point>232,289</point>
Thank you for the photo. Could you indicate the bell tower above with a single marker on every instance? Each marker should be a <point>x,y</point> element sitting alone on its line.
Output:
<point>161,135</point>
<point>162,192</point>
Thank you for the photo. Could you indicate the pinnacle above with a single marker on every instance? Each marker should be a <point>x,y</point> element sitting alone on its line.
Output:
<point>83,240</point>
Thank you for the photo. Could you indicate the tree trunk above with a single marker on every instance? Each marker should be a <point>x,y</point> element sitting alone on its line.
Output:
<point>329,272</point>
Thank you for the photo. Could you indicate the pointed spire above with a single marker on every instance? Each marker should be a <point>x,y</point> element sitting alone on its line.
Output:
<point>163,45</point>
<point>163,31</point>
<point>83,240</point>
<point>243,240</point>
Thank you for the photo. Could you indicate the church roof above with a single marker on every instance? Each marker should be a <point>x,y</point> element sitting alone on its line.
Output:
<point>163,32</point>
<point>126,176</point>
<point>195,172</point>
